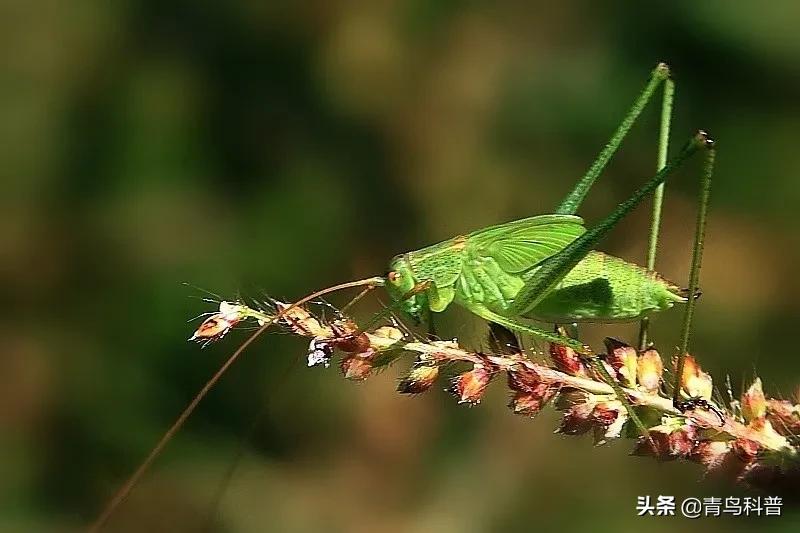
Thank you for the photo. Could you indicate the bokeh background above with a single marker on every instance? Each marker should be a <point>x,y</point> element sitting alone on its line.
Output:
<point>253,148</point>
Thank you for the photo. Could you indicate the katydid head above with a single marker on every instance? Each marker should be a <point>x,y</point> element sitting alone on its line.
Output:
<point>401,284</point>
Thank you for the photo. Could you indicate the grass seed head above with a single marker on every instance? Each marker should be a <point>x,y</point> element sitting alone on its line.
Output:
<point>695,382</point>
<point>670,440</point>
<point>754,404</point>
<point>220,323</point>
<point>470,386</point>
<point>357,366</point>
<point>649,371</point>
<point>419,379</point>
<point>567,360</point>
<point>622,358</point>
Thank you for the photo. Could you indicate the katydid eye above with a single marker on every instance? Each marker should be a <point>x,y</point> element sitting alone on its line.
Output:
<point>393,276</point>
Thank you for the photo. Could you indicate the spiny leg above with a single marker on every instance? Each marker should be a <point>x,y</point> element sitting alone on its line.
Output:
<point>527,329</point>
<point>694,273</point>
<point>658,194</point>
<point>573,200</point>
<point>553,269</point>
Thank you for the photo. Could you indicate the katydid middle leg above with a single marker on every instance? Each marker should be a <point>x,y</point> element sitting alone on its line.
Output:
<point>658,196</point>
<point>585,352</point>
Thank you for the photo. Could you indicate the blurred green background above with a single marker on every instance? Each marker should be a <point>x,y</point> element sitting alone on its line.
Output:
<point>278,147</point>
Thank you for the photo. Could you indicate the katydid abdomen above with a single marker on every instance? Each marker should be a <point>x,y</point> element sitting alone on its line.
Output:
<point>604,288</point>
<point>601,288</point>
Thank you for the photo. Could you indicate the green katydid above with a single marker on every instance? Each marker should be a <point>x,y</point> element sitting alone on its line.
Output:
<point>544,268</point>
<point>539,267</point>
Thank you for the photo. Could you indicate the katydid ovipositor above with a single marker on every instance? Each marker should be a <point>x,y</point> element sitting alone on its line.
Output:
<point>540,267</point>
<point>544,268</point>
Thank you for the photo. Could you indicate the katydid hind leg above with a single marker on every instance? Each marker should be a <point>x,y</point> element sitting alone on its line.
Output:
<point>658,195</point>
<point>553,270</point>
<point>694,272</point>
<point>573,200</point>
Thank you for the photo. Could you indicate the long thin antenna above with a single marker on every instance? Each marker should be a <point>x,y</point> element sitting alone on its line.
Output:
<point>126,488</point>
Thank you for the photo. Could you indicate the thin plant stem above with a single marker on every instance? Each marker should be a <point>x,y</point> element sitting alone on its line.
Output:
<point>244,438</point>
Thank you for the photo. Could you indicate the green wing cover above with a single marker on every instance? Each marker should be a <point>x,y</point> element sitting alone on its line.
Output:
<point>522,244</point>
